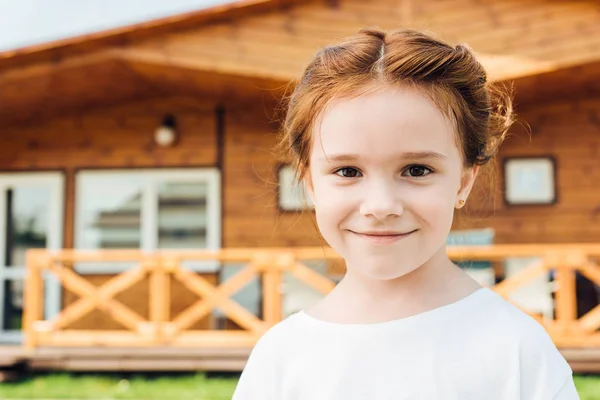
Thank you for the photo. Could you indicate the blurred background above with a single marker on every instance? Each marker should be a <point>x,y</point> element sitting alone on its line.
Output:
<point>137,165</point>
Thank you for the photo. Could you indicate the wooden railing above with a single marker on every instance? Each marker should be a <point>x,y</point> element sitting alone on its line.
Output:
<point>163,329</point>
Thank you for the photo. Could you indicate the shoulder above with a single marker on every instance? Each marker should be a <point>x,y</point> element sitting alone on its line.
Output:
<point>261,376</point>
<point>273,344</point>
<point>281,334</point>
<point>539,365</point>
<point>502,317</point>
<point>513,325</point>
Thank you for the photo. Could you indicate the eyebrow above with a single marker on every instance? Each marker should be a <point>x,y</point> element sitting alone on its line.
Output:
<point>411,155</point>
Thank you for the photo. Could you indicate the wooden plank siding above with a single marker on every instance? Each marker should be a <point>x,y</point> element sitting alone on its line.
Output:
<point>568,130</point>
<point>251,213</point>
<point>511,36</point>
<point>120,136</point>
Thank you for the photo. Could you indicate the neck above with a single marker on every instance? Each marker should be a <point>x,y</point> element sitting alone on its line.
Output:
<point>358,298</point>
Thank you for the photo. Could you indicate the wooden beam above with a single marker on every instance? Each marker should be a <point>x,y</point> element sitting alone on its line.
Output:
<point>126,34</point>
<point>34,295</point>
<point>159,295</point>
<point>566,299</point>
<point>70,338</point>
<point>272,72</point>
<point>43,69</point>
<point>100,298</point>
<point>203,306</point>
<point>272,297</point>
<point>525,275</point>
<point>213,296</point>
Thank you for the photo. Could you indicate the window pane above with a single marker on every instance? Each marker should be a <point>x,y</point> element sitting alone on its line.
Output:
<point>13,305</point>
<point>110,212</point>
<point>182,215</point>
<point>27,212</point>
<point>26,228</point>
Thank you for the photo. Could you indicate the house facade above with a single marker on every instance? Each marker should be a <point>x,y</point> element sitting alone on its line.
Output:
<point>81,165</point>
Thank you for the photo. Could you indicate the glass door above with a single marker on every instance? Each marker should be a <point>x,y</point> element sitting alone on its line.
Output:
<point>31,217</point>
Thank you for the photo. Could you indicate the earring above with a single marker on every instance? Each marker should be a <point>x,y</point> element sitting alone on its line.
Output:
<point>461,203</point>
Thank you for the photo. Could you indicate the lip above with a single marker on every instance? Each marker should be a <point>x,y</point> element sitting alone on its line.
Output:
<point>382,237</point>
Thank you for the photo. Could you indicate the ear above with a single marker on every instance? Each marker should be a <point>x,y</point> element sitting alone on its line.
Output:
<point>467,181</point>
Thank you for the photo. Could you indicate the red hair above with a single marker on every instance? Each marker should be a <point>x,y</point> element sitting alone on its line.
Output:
<point>451,76</point>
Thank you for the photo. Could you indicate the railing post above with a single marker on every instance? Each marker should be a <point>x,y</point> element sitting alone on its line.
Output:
<point>272,282</point>
<point>34,295</point>
<point>566,293</point>
<point>160,293</point>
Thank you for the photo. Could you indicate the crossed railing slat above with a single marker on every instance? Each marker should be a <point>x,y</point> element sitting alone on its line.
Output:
<point>270,265</point>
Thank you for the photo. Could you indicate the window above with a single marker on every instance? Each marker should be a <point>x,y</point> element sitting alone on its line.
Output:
<point>31,206</point>
<point>148,210</point>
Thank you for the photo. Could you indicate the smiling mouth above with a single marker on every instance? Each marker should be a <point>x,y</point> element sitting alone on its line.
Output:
<point>382,237</point>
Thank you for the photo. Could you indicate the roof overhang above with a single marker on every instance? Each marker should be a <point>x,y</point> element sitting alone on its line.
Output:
<point>116,37</point>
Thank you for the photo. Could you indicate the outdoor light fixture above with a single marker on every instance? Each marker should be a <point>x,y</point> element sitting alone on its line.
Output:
<point>165,134</point>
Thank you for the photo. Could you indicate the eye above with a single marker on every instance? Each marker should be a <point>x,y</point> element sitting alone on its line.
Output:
<point>347,172</point>
<point>417,171</point>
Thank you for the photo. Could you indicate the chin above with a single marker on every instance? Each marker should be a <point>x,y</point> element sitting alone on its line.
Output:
<point>386,271</point>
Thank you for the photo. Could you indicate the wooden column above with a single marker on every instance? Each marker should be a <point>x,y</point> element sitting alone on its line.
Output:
<point>566,293</point>
<point>160,293</point>
<point>34,294</point>
<point>272,281</point>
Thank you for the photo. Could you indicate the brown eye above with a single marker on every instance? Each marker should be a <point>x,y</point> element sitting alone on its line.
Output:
<point>418,171</point>
<point>347,172</point>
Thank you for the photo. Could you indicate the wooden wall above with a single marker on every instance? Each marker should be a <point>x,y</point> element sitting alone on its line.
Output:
<point>570,132</point>
<point>120,137</point>
<point>251,214</point>
<point>513,38</point>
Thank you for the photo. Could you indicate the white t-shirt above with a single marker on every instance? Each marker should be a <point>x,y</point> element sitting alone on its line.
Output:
<point>479,348</point>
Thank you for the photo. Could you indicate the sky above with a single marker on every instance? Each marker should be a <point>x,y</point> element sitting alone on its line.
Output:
<point>28,22</point>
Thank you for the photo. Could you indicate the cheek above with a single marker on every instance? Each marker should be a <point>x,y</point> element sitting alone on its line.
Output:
<point>435,206</point>
<point>329,219</point>
<point>330,204</point>
<point>332,207</point>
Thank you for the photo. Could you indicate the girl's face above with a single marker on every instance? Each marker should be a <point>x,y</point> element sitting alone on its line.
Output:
<point>385,176</point>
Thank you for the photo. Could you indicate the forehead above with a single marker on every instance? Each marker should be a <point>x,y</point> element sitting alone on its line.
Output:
<point>382,124</point>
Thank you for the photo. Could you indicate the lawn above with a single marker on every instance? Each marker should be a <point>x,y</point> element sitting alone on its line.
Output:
<point>196,386</point>
<point>111,386</point>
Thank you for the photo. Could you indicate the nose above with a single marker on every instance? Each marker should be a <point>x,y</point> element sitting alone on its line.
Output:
<point>381,201</point>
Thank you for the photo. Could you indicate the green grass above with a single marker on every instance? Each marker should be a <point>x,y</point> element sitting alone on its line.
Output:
<point>588,387</point>
<point>111,386</point>
<point>184,387</point>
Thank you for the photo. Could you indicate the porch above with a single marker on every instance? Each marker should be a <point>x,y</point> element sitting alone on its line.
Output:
<point>157,339</point>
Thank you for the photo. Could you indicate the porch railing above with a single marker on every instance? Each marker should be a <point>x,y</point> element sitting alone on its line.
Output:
<point>268,264</point>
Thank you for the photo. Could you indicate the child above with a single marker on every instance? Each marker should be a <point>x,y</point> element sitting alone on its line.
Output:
<point>388,132</point>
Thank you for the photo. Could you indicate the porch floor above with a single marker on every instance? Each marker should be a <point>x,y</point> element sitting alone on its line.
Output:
<point>122,359</point>
<point>582,360</point>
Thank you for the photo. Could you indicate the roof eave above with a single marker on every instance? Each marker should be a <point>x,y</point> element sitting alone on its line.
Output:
<point>126,34</point>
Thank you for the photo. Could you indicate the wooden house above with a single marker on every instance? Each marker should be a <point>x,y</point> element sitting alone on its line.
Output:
<point>82,167</point>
